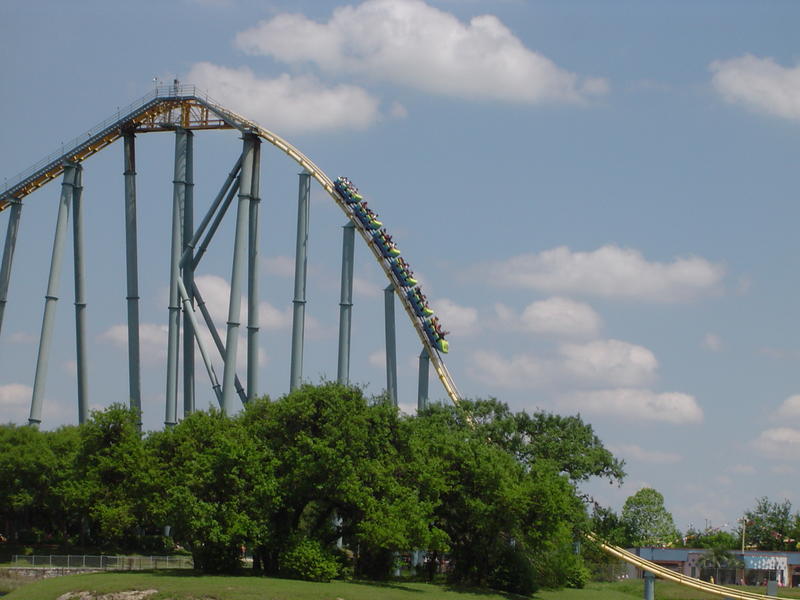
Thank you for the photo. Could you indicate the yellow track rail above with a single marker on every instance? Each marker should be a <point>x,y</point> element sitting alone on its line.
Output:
<point>665,573</point>
<point>194,112</point>
<point>181,107</point>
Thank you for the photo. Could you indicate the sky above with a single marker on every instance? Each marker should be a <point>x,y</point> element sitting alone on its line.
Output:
<point>598,198</point>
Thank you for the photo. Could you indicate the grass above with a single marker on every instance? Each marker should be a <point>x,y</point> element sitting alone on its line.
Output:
<point>188,586</point>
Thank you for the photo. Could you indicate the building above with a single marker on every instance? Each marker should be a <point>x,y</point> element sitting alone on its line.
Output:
<point>759,566</point>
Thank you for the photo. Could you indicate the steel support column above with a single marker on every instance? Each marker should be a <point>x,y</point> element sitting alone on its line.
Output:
<point>422,387</point>
<point>8,254</point>
<point>649,585</point>
<point>253,322</point>
<point>217,340</point>
<point>187,275</point>
<point>238,271</point>
<point>191,331</point>
<point>346,303</point>
<point>391,346</point>
<point>173,335</point>
<point>300,270</point>
<point>132,270</point>
<point>80,298</point>
<point>46,337</point>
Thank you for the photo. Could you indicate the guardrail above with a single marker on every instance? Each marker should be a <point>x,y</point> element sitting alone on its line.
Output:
<point>102,561</point>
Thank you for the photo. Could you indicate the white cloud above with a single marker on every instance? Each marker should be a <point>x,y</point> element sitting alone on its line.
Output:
<point>152,340</point>
<point>410,43</point>
<point>789,409</point>
<point>742,469</point>
<point>368,289</point>
<point>22,337</point>
<point>759,84</point>
<point>279,265</point>
<point>460,320</point>
<point>602,362</point>
<point>216,292</point>
<point>292,104</point>
<point>781,443</point>
<point>634,452</point>
<point>15,401</point>
<point>398,111</point>
<point>609,362</point>
<point>377,359</point>
<point>635,405</point>
<point>519,372</point>
<point>561,316</point>
<point>609,271</point>
<point>712,342</point>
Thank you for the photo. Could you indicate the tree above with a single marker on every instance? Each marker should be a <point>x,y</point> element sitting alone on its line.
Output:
<point>710,538</point>
<point>771,526</point>
<point>344,471</point>
<point>566,443</point>
<point>114,480</point>
<point>219,487</point>
<point>496,509</point>
<point>649,522</point>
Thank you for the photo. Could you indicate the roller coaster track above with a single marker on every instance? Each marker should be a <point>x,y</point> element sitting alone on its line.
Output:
<point>169,107</point>
<point>670,575</point>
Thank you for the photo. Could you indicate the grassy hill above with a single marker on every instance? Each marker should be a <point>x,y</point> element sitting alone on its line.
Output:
<point>188,586</point>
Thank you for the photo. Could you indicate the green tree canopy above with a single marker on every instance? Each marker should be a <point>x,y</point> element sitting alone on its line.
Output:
<point>647,520</point>
<point>772,526</point>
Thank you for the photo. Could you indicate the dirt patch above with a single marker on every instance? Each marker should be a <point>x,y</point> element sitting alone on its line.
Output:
<point>129,595</point>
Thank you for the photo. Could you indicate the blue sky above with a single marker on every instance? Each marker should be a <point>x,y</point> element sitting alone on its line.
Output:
<point>599,199</point>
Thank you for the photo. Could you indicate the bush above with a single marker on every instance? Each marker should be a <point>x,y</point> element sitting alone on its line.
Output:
<point>308,560</point>
<point>513,573</point>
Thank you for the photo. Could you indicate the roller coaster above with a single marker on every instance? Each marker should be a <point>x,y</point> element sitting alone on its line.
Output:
<point>180,109</point>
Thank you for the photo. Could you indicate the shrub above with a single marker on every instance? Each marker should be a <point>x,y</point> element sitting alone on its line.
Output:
<point>308,560</point>
<point>513,573</point>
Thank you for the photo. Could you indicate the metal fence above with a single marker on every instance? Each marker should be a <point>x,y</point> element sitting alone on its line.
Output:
<point>110,562</point>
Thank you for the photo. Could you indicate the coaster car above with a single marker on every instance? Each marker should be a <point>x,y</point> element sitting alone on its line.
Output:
<point>418,303</point>
<point>403,273</point>
<point>385,244</point>
<point>347,190</point>
<point>366,216</point>
<point>435,335</point>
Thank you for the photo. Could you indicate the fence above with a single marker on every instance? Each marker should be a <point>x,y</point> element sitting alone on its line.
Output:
<point>116,563</point>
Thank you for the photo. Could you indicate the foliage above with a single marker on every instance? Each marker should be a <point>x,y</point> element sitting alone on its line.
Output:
<point>308,560</point>
<point>772,526</point>
<point>490,491</point>
<point>710,538</point>
<point>218,485</point>
<point>647,520</point>
<point>115,480</point>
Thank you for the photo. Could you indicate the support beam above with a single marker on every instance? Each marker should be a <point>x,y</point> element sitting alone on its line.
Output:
<point>253,322</point>
<point>215,225</point>
<point>238,271</point>
<point>191,331</point>
<point>217,340</point>
<point>173,334</point>
<point>188,253</point>
<point>187,274</point>
<point>46,336</point>
<point>132,270</point>
<point>422,387</point>
<point>8,254</point>
<point>80,298</point>
<point>300,271</point>
<point>346,303</point>
<point>649,585</point>
<point>391,345</point>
